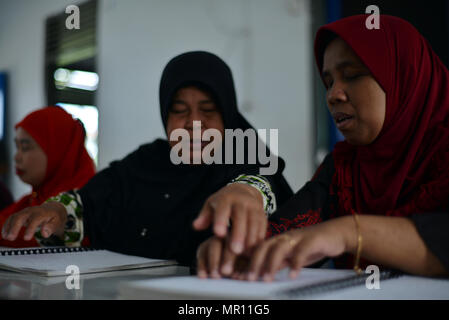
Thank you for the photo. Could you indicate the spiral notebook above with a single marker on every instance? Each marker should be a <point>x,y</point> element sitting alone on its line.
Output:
<point>309,282</point>
<point>53,261</point>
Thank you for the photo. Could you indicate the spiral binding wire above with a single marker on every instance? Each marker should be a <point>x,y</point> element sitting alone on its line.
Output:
<point>18,252</point>
<point>334,285</point>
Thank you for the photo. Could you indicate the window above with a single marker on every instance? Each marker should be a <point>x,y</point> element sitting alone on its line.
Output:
<point>70,70</point>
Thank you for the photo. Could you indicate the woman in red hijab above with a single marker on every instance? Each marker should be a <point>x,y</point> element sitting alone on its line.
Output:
<point>383,193</point>
<point>50,157</point>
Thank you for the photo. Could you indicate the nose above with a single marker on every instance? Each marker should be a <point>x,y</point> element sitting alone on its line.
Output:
<point>336,94</point>
<point>194,115</point>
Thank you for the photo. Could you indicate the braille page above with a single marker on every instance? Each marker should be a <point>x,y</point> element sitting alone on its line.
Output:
<point>54,264</point>
<point>191,287</point>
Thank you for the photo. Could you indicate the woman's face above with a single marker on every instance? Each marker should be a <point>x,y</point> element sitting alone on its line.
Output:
<point>192,104</point>
<point>30,160</point>
<point>355,99</point>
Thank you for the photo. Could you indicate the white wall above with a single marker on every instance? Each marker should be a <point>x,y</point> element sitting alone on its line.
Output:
<point>266,43</point>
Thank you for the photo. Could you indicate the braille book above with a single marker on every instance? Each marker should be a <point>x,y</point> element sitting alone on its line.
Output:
<point>54,261</point>
<point>309,282</point>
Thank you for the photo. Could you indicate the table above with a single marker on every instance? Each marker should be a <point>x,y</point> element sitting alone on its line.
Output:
<point>95,286</point>
<point>105,286</point>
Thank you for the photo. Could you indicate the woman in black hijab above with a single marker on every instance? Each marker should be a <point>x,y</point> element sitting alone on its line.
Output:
<point>144,204</point>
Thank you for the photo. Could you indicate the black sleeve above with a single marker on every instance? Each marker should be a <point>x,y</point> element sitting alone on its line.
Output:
<point>310,205</point>
<point>101,199</point>
<point>281,189</point>
<point>433,229</point>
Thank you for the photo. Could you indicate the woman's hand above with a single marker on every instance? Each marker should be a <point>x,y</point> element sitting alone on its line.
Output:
<point>295,249</point>
<point>51,217</point>
<point>214,260</point>
<point>210,255</point>
<point>301,247</point>
<point>240,206</point>
<point>392,242</point>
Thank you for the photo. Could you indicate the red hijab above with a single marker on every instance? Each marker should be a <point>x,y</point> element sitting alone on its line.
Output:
<point>69,166</point>
<point>406,169</point>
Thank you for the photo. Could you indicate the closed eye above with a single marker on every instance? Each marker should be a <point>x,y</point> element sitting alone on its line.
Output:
<point>209,110</point>
<point>355,76</point>
<point>178,107</point>
<point>177,111</point>
<point>23,145</point>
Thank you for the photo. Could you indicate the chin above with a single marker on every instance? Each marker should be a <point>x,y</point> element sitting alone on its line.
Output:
<point>25,180</point>
<point>195,160</point>
<point>355,143</point>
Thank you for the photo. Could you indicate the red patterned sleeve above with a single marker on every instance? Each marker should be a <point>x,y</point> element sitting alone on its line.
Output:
<point>310,205</point>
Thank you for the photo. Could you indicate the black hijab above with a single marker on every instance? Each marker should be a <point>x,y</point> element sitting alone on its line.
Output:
<point>144,204</point>
<point>205,70</point>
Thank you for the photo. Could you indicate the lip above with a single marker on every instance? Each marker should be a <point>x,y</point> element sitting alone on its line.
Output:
<point>19,172</point>
<point>342,120</point>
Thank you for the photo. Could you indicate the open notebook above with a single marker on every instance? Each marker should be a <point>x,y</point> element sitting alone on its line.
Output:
<point>53,261</point>
<point>309,282</point>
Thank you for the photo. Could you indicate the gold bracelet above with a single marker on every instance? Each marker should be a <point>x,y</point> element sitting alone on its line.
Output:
<point>357,269</point>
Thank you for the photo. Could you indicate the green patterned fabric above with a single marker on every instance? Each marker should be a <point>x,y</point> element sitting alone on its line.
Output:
<point>264,187</point>
<point>73,231</point>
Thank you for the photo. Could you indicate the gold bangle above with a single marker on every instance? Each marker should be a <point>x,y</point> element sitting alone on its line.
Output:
<point>357,269</point>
